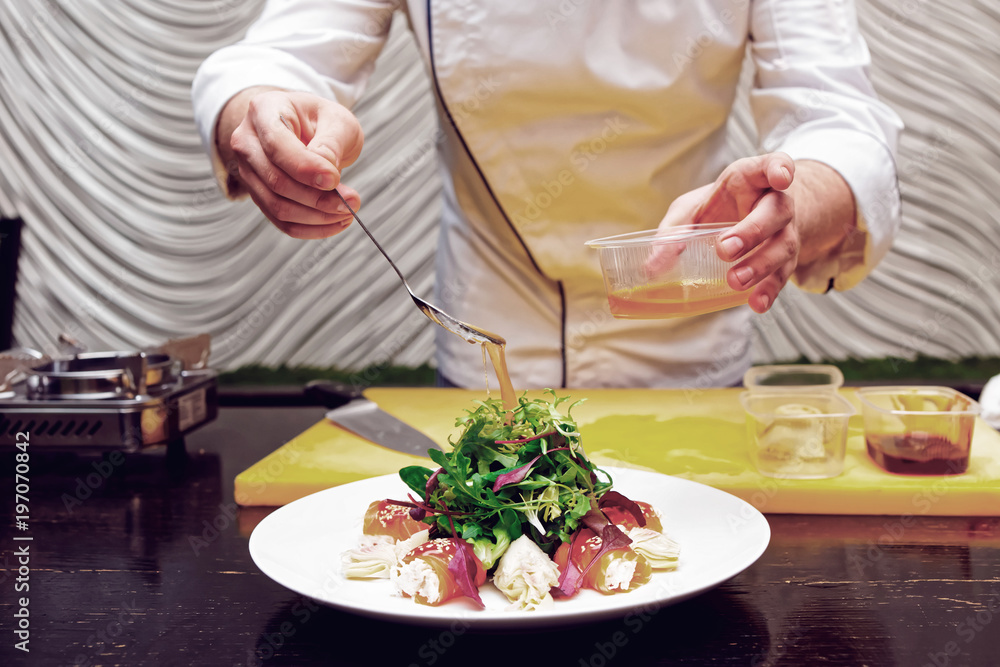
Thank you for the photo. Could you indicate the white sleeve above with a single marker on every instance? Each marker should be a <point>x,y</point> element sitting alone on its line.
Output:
<point>813,100</point>
<point>326,47</point>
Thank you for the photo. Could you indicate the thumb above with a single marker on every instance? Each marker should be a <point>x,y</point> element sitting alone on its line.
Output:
<point>338,140</point>
<point>685,209</point>
<point>780,170</point>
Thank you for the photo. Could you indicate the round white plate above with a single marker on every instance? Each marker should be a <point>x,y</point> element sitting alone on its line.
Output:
<point>299,546</point>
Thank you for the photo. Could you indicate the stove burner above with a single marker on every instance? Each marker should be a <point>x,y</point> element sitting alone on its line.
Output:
<point>102,400</point>
<point>100,375</point>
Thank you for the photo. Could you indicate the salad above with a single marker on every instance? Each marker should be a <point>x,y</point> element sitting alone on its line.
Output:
<point>515,500</point>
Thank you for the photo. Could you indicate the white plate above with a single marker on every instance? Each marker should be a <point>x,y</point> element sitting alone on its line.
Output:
<point>299,546</point>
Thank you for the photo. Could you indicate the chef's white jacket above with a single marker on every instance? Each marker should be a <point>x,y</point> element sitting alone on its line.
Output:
<point>568,120</point>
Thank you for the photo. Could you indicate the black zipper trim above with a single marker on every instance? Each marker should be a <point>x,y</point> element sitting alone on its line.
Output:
<point>489,189</point>
<point>562,331</point>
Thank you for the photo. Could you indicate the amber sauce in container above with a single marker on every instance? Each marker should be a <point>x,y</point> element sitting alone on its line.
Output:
<point>918,454</point>
<point>673,300</point>
<point>918,430</point>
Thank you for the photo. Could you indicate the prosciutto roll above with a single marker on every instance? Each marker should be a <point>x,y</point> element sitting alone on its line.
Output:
<point>425,573</point>
<point>615,571</point>
<point>377,554</point>
<point>625,520</point>
<point>386,518</point>
<point>649,540</point>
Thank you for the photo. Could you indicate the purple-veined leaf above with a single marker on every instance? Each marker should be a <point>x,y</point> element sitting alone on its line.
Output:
<point>518,474</point>
<point>615,499</point>
<point>612,539</point>
<point>462,566</point>
<point>432,483</point>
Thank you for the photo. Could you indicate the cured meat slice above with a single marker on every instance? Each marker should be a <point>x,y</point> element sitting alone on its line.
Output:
<point>387,518</point>
<point>616,571</point>
<point>424,573</point>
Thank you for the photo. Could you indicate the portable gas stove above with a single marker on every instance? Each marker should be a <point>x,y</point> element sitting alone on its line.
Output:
<point>107,400</point>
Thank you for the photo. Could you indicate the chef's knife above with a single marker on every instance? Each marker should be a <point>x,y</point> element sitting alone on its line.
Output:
<point>352,411</point>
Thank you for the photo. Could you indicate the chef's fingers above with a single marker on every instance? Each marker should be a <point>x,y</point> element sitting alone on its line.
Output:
<point>771,214</point>
<point>662,258</point>
<point>289,216</point>
<point>280,183</point>
<point>780,170</point>
<point>741,185</point>
<point>764,295</point>
<point>309,138</point>
<point>336,137</point>
<point>308,232</point>
<point>273,120</point>
<point>681,210</point>
<point>775,256</point>
<point>760,172</point>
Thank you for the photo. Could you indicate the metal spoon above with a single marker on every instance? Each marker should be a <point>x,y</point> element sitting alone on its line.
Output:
<point>457,327</point>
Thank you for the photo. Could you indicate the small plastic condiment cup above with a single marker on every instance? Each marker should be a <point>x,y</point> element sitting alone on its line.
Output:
<point>914,430</point>
<point>812,378</point>
<point>796,434</point>
<point>676,272</point>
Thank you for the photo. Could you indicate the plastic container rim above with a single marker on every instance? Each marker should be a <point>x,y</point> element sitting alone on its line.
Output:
<point>973,409</point>
<point>848,410</point>
<point>659,237</point>
<point>754,373</point>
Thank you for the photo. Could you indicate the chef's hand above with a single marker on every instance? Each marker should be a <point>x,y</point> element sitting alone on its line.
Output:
<point>287,150</point>
<point>791,212</point>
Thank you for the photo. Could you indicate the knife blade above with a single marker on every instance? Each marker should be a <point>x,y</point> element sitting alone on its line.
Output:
<point>355,413</point>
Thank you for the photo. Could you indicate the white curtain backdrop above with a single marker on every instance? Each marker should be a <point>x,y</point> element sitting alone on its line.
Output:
<point>128,242</point>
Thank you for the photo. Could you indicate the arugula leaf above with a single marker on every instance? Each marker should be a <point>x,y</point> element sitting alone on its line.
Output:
<point>415,477</point>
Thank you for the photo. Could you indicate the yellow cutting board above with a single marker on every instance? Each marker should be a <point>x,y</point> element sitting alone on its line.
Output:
<point>696,434</point>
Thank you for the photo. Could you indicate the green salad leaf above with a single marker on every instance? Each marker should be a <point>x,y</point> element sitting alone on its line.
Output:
<point>508,474</point>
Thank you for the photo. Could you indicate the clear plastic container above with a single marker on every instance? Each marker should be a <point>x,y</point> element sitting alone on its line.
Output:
<point>787,378</point>
<point>797,435</point>
<point>913,430</point>
<point>658,274</point>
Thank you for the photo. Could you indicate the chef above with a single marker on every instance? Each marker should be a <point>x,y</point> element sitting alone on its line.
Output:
<point>568,120</point>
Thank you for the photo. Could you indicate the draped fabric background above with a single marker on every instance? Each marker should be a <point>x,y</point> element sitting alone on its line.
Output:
<point>128,242</point>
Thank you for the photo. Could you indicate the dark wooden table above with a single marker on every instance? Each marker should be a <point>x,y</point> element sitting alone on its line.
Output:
<point>144,561</point>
